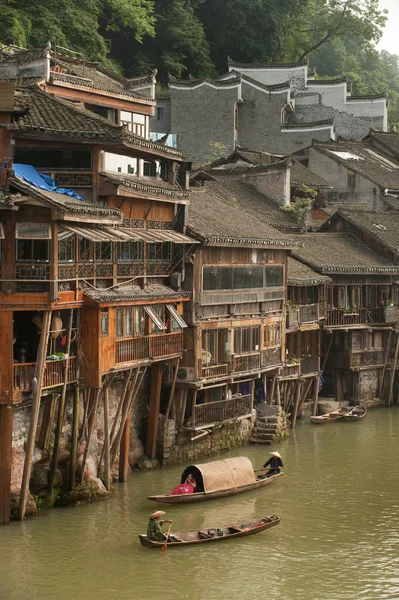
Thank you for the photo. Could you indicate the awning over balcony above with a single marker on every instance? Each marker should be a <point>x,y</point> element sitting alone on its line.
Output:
<point>178,318</point>
<point>124,234</point>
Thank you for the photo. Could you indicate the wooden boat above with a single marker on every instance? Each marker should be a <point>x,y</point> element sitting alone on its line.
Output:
<point>331,416</point>
<point>218,479</point>
<point>198,536</point>
<point>357,413</point>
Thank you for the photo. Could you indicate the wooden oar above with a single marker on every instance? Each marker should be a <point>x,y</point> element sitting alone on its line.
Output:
<point>164,547</point>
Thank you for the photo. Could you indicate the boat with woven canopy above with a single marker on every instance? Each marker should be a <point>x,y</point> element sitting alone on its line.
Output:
<point>218,479</point>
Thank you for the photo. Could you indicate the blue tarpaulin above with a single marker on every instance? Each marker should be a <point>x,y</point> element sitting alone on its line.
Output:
<point>43,182</point>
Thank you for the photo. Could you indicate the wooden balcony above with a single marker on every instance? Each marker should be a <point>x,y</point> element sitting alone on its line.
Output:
<point>245,362</point>
<point>305,314</point>
<point>339,317</point>
<point>148,347</point>
<point>222,410</point>
<point>290,370</point>
<point>357,360</point>
<point>271,357</point>
<point>23,373</point>
<point>309,364</point>
<point>215,370</point>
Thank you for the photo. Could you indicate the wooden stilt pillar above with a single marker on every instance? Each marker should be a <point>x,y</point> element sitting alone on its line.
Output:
<point>75,412</point>
<point>395,360</point>
<point>172,390</point>
<point>5,462</point>
<point>155,398</point>
<point>107,470</point>
<point>130,397</point>
<point>37,385</point>
<point>92,421</point>
<point>75,435</point>
<point>272,390</point>
<point>47,422</point>
<point>124,450</point>
<point>315,395</point>
<point>61,408</point>
<point>296,404</point>
<point>386,356</point>
<point>278,394</point>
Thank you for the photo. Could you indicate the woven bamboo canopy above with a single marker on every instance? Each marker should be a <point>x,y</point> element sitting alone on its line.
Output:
<point>227,474</point>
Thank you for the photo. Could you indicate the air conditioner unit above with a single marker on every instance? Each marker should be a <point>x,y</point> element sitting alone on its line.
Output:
<point>185,374</point>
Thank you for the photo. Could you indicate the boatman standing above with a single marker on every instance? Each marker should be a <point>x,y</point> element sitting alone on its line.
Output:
<point>154,531</point>
<point>275,464</point>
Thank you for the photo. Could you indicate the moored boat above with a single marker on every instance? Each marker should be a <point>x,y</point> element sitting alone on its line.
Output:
<point>218,479</point>
<point>331,416</point>
<point>357,413</point>
<point>198,536</point>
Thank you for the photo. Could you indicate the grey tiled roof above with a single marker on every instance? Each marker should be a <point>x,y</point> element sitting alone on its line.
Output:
<point>234,213</point>
<point>301,274</point>
<point>331,253</point>
<point>365,159</point>
<point>383,226</point>
<point>64,203</point>
<point>51,116</point>
<point>150,186</point>
<point>134,292</point>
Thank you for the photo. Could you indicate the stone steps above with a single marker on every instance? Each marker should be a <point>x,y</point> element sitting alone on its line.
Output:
<point>272,430</point>
<point>256,440</point>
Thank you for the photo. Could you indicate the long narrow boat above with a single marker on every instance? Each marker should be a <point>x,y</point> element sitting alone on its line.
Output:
<point>331,416</point>
<point>357,413</point>
<point>218,479</point>
<point>198,536</point>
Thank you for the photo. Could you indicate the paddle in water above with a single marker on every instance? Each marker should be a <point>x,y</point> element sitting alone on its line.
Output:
<point>165,546</point>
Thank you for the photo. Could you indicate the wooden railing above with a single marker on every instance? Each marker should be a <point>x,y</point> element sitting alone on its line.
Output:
<point>348,360</point>
<point>222,410</point>
<point>148,347</point>
<point>308,313</point>
<point>215,370</point>
<point>309,364</point>
<point>53,376</point>
<point>361,316</point>
<point>246,362</point>
<point>290,370</point>
<point>271,357</point>
<point>305,314</point>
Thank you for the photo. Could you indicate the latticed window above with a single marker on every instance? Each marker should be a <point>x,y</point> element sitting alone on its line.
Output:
<point>246,339</point>
<point>104,322</point>
<point>272,335</point>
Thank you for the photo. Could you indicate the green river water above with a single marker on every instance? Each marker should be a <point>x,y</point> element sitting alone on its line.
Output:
<point>338,538</point>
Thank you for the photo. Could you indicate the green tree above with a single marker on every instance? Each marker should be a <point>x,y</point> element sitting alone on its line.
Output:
<point>83,25</point>
<point>327,20</point>
<point>247,30</point>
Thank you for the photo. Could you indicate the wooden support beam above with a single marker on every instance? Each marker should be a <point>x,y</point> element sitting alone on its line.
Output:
<point>5,462</point>
<point>172,390</point>
<point>124,449</point>
<point>47,422</point>
<point>272,390</point>
<point>393,371</point>
<point>278,394</point>
<point>387,349</point>
<point>75,435</point>
<point>107,471</point>
<point>155,399</point>
<point>61,408</point>
<point>86,402</point>
<point>130,398</point>
<point>92,420</point>
<point>37,384</point>
<point>296,404</point>
<point>315,395</point>
<point>183,406</point>
<point>75,411</point>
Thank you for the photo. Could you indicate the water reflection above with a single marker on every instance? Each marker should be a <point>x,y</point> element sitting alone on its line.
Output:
<point>338,538</point>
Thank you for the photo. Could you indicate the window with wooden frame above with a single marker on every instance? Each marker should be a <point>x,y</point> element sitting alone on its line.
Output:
<point>103,250</point>
<point>32,242</point>
<point>246,340</point>
<point>86,250</point>
<point>351,179</point>
<point>157,317</point>
<point>214,347</point>
<point>159,251</point>
<point>66,246</point>
<point>134,122</point>
<point>124,322</point>
<point>129,251</point>
<point>272,335</point>
<point>104,322</point>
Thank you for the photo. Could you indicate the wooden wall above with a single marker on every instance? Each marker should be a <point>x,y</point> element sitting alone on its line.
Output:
<point>143,209</point>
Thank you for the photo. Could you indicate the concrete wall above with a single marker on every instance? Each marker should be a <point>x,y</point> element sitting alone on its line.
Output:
<point>163,125</point>
<point>297,75</point>
<point>203,115</point>
<point>177,448</point>
<point>368,384</point>
<point>337,176</point>
<point>275,184</point>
